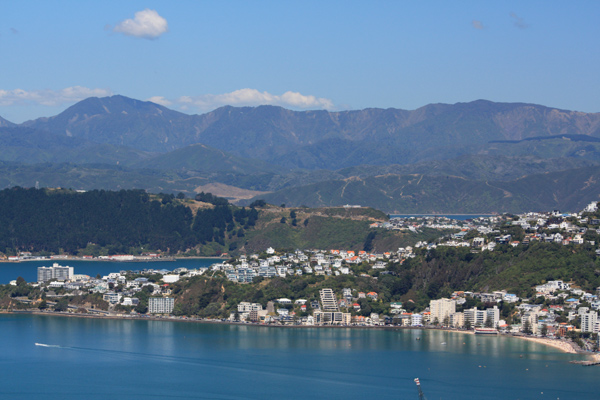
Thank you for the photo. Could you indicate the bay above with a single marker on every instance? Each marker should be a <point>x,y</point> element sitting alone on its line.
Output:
<point>146,359</point>
<point>28,269</point>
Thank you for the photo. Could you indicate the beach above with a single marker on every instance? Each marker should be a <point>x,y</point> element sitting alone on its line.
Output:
<point>563,345</point>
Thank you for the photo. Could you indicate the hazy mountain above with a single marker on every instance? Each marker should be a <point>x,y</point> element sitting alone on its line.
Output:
<point>4,123</point>
<point>122,121</point>
<point>318,139</point>
<point>478,156</point>
<point>561,146</point>
<point>198,157</point>
<point>31,146</point>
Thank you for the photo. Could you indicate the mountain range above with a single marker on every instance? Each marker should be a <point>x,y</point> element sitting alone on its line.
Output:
<point>478,156</point>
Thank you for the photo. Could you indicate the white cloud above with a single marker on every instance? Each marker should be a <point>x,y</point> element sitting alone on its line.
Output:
<point>253,97</point>
<point>146,24</point>
<point>50,97</point>
<point>477,24</point>
<point>159,100</point>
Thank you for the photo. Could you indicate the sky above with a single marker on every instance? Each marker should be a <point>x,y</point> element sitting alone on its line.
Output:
<point>195,56</point>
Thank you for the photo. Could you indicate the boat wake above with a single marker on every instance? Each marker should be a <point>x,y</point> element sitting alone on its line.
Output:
<point>46,345</point>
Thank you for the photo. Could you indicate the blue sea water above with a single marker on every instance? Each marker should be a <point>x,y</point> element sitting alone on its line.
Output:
<point>147,359</point>
<point>28,269</point>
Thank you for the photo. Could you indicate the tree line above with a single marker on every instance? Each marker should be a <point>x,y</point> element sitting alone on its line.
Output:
<point>53,221</point>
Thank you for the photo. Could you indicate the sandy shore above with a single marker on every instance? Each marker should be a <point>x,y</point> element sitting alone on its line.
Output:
<point>562,345</point>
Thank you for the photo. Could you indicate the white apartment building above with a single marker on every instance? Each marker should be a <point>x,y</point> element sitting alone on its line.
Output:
<point>475,317</point>
<point>328,300</point>
<point>56,271</point>
<point>416,320</point>
<point>245,306</point>
<point>160,305</point>
<point>457,320</point>
<point>493,315</point>
<point>442,308</point>
<point>589,322</point>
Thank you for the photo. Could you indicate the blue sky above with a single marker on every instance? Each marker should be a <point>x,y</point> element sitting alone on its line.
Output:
<point>195,56</point>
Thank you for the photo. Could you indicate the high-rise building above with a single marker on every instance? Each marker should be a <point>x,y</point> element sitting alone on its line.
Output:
<point>161,305</point>
<point>475,317</point>
<point>589,322</point>
<point>44,274</point>
<point>328,300</point>
<point>442,308</point>
<point>493,315</point>
<point>56,271</point>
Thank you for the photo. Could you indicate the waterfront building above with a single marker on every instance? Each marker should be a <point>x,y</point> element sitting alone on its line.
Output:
<point>416,320</point>
<point>245,306</point>
<point>493,315</point>
<point>457,320</point>
<point>44,274</point>
<point>161,305</point>
<point>477,317</point>
<point>331,318</point>
<point>589,322</point>
<point>442,308</point>
<point>328,300</point>
<point>130,301</point>
<point>56,271</point>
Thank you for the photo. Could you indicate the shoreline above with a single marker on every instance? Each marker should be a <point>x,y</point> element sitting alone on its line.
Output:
<point>562,345</point>
<point>558,344</point>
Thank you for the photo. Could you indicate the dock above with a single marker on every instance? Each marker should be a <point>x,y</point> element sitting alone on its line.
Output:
<point>586,363</point>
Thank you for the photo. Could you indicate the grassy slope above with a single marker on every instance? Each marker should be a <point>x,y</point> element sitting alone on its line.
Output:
<point>327,228</point>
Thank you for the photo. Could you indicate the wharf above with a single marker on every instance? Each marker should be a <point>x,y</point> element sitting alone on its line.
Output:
<point>586,363</point>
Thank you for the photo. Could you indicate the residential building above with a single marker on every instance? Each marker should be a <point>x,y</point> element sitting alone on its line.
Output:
<point>328,300</point>
<point>160,305</point>
<point>457,320</point>
<point>493,315</point>
<point>56,271</point>
<point>475,317</point>
<point>442,308</point>
<point>589,322</point>
<point>416,320</point>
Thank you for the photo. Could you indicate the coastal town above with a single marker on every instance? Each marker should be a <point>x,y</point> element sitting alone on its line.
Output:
<point>555,309</point>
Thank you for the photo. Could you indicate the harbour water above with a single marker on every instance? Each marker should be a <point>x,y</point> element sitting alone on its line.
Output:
<point>28,269</point>
<point>147,359</point>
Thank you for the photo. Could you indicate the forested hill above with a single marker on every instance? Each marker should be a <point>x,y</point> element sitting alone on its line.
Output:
<point>126,221</point>
<point>98,222</point>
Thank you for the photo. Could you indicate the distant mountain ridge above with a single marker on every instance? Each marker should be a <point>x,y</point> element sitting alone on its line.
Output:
<point>309,139</point>
<point>476,156</point>
<point>5,124</point>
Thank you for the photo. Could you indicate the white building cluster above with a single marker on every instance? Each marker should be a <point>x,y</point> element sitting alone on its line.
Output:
<point>57,272</point>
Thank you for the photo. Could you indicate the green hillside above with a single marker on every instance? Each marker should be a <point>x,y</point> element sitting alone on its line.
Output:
<point>409,194</point>
<point>199,157</point>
